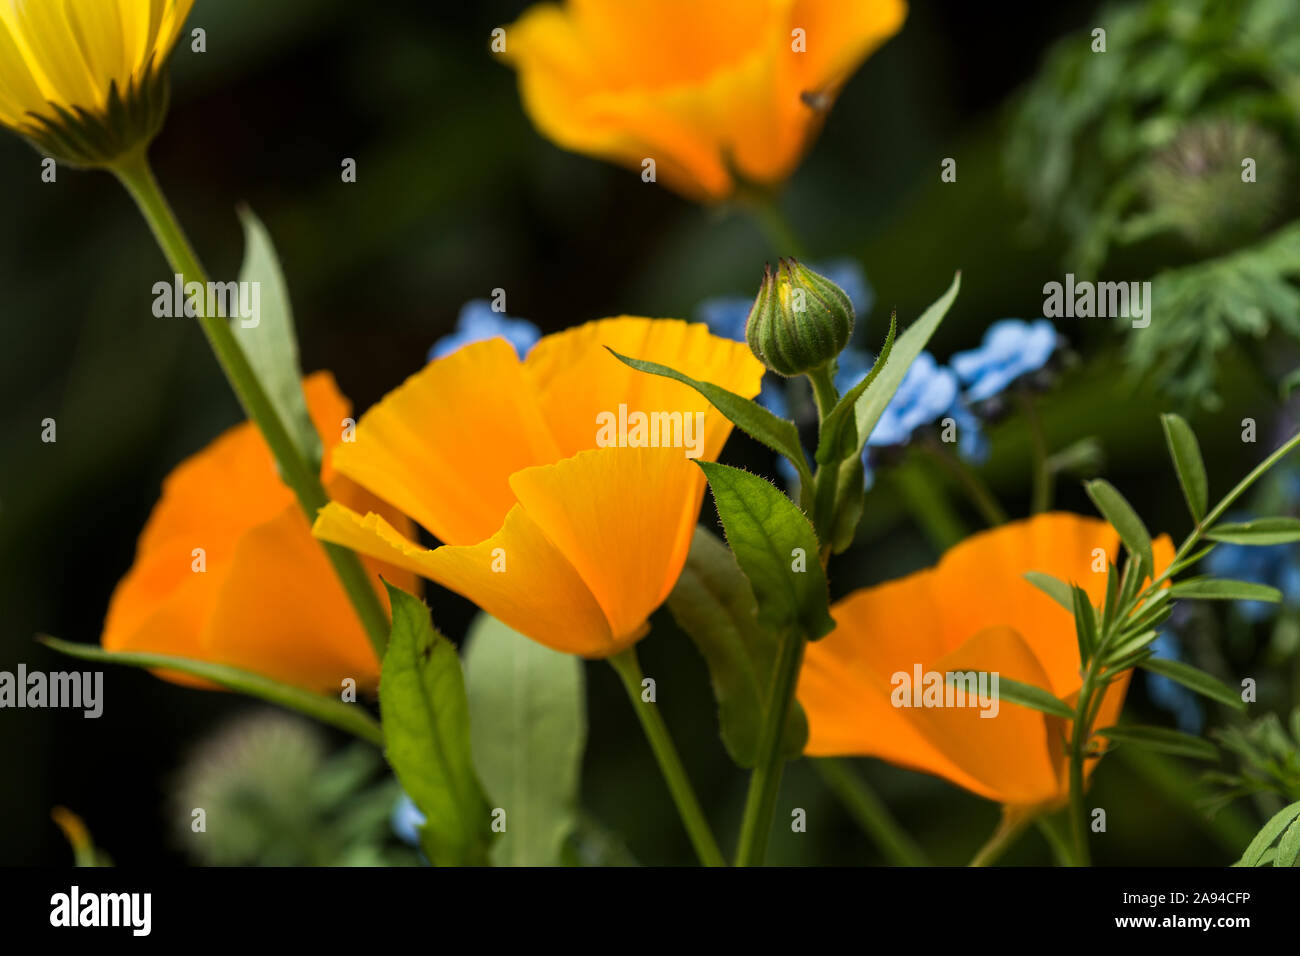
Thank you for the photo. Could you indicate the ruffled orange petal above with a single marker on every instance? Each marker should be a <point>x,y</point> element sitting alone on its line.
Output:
<point>577,380</point>
<point>443,445</point>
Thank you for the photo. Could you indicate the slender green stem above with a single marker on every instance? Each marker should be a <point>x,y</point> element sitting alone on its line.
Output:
<point>978,492</point>
<point>1080,734</point>
<point>301,476</point>
<point>670,764</point>
<point>1055,831</point>
<point>824,391</point>
<point>869,811</point>
<point>1041,498</point>
<point>765,781</point>
<point>774,225</point>
<point>1010,826</point>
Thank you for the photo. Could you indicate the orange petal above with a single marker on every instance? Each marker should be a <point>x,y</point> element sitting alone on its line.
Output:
<point>578,380</point>
<point>443,445</point>
<point>516,575</point>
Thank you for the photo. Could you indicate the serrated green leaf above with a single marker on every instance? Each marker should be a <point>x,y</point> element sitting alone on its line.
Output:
<point>1196,680</point>
<point>272,345</point>
<point>1268,833</point>
<point>528,730</point>
<point>771,538</point>
<point>1262,531</point>
<point>831,445</point>
<point>871,405</point>
<point>1115,509</point>
<point>714,604</point>
<point>1054,588</point>
<point>1161,739</point>
<point>425,718</point>
<point>750,417</point>
<point>1186,454</point>
<point>1220,589</point>
<point>328,710</point>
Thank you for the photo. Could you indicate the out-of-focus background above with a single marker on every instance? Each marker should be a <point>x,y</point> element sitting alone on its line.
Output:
<point>457,195</point>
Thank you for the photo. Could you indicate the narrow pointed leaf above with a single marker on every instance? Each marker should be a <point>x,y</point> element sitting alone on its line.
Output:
<point>1035,698</point>
<point>328,710</point>
<point>271,345</point>
<point>1261,531</point>
<point>714,604</point>
<point>1268,833</point>
<point>1186,453</point>
<point>831,445</point>
<point>1054,588</point>
<point>750,417</point>
<point>777,549</point>
<point>1115,509</point>
<point>1219,589</point>
<point>871,404</point>
<point>1196,680</point>
<point>1161,739</point>
<point>425,717</point>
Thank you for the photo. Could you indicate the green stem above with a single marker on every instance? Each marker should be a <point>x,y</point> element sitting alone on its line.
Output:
<point>302,477</point>
<point>1041,498</point>
<point>1080,734</point>
<point>774,225</point>
<point>1058,838</point>
<point>976,490</point>
<point>670,764</point>
<point>765,781</point>
<point>1009,828</point>
<point>869,811</point>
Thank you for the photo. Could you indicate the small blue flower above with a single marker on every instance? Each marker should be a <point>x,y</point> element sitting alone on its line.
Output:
<point>1171,696</point>
<point>1271,564</point>
<point>406,820</point>
<point>1011,348</point>
<point>478,322</point>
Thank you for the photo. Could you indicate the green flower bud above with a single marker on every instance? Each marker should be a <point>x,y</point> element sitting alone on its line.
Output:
<point>800,320</point>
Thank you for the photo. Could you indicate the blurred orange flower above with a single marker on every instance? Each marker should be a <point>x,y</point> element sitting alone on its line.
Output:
<point>226,569</point>
<point>566,538</point>
<point>972,611</point>
<point>712,92</point>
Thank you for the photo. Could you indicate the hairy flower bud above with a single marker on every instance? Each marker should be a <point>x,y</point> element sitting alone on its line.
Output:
<point>800,320</point>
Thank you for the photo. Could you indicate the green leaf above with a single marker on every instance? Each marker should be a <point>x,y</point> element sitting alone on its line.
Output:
<point>1128,647</point>
<point>714,604</point>
<point>528,729</point>
<point>426,736</point>
<point>272,346</point>
<point>1186,453</point>
<point>1219,589</point>
<point>1085,622</point>
<point>1196,680</point>
<point>1035,698</point>
<point>871,405</point>
<point>1258,532</point>
<point>777,549</point>
<point>1161,739</point>
<point>1115,509</point>
<point>1054,588</point>
<point>1268,833</point>
<point>750,417</point>
<point>1288,848</point>
<point>830,445</point>
<point>328,710</point>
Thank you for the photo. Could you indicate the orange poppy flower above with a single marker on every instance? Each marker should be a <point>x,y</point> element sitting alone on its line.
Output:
<point>550,521</point>
<point>972,611</point>
<point>710,91</point>
<point>226,569</point>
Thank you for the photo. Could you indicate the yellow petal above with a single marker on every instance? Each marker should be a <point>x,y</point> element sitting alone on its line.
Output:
<point>442,446</point>
<point>578,380</point>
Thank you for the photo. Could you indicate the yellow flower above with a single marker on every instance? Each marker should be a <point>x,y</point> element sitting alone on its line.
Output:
<point>226,569</point>
<point>84,80</point>
<point>972,611</point>
<point>712,91</point>
<point>549,521</point>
